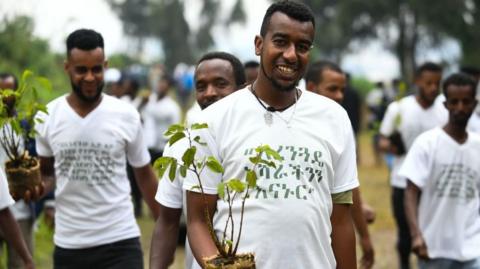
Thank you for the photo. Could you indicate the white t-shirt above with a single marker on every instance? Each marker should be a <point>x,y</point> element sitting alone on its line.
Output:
<point>93,204</point>
<point>449,176</point>
<point>292,205</point>
<point>192,112</point>
<point>5,198</point>
<point>158,115</point>
<point>474,122</point>
<point>414,120</point>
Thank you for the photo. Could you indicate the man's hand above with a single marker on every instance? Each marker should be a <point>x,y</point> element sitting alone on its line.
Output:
<point>31,195</point>
<point>419,247</point>
<point>368,213</point>
<point>368,254</point>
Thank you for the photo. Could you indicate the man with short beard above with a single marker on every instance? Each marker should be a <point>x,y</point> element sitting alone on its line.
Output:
<point>298,216</point>
<point>83,143</point>
<point>404,120</point>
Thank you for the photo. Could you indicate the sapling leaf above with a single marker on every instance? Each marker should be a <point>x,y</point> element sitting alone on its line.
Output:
<point>176,137</point>
<point>174,129</point>
<point>173,169</point>
<point>183,170</point>
<point>272,153</point>
<point>189,156</point>
<point>236,185</point>
<point>251,178</point>
<point>221,190</point>
<point>196,187</point>
<point>197,139</point>
<point>161,165</point>
<point>214,165</point>
<point>255,160</point>
<point>268,163</point>
<point>197,126</point>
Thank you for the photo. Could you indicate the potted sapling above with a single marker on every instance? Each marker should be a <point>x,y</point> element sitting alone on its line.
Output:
<point>231,191</point>
<point>17,121</point>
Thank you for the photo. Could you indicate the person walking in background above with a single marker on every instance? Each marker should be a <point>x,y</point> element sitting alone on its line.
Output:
<point>327,79</point>
<point>83,143</point>
<point>404,120</point>
<point>442,198</point>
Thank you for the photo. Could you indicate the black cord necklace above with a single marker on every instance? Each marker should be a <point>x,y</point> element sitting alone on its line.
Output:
<point>268,116</point>
<point>271,108</point>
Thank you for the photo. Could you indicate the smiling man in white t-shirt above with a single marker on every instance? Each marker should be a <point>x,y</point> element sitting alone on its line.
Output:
<point>84,143</point>
<point>442,169</point>
<point>298,216</point>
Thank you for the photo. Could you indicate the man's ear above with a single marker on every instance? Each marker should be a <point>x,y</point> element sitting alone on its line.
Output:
<point>258,45</point>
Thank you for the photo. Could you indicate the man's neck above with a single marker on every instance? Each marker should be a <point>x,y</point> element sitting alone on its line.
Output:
<point>81,107</point>
<point>275,98</point>
<point>457,132</point>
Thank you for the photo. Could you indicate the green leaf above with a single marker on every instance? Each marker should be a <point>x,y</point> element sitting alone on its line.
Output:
<point>196,187</point>
<point>270,152</point>
<point>221,190</point>
<point>173,169</point>
<point>214,165</point>
<point>197,139</point>
<point>183,170</point>
<point>197,126</point>
<point>174,129</point>
<point>175,138</point>
<point>255,159</point>
<point>189,156</point>
<point>236,185</point>
<point>161,165</point>
<point>251,178</point>
<point>268,163</point>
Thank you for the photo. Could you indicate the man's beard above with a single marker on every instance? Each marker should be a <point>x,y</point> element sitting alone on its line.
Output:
<point>87,99</point>
<point>277,85</point>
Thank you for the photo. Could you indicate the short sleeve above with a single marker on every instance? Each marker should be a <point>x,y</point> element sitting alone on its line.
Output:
<point>41,140</point>
<point>345,165</point>
<point>387,127</point>
<point>415,167</point>
<point>137,152</point>
<point>170,193</point>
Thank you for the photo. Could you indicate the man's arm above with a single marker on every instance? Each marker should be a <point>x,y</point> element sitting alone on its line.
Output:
<point>412,192</point>
<point>199,235</point>
<point>368,256</point>
<point>12,234</point>
<point>148,184</point>
<point>165,237</point>
<point>343,237</point>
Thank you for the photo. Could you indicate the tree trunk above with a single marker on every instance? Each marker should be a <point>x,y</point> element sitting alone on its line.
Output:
<point>407,42</point>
